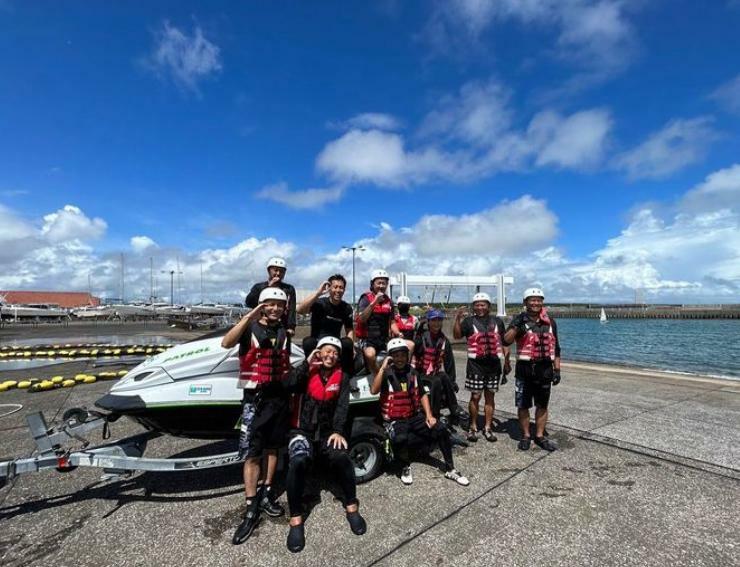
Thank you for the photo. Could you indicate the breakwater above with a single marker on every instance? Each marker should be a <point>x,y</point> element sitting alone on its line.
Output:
<point>644,311</point>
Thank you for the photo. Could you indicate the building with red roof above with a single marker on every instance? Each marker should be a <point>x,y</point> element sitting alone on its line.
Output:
<point>64,299</point>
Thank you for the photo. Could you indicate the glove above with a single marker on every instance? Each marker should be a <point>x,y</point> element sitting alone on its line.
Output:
<point>555,377</point>
<point>455,387</point>
<point>518,323</point>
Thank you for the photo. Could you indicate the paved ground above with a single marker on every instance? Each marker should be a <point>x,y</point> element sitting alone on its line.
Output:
<point>647,474</point>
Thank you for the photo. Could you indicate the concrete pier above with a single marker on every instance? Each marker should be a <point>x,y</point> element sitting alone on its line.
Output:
<point>647,474</point>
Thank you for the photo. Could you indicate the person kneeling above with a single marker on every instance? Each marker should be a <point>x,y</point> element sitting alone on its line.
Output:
<point>320,422</point>
<point>401,404</point>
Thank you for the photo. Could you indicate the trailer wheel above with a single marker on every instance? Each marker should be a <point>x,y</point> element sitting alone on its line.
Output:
<point>367,455</point>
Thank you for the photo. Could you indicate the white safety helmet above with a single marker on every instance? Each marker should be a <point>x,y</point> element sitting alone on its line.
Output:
<point>379,274</point>
<point>533,292</point>
<point>403,299</point>
<point>333,341</point>
<point>397,344</point>
<point>272,293</point>
<point>482,296</point>
<point>277,262</point>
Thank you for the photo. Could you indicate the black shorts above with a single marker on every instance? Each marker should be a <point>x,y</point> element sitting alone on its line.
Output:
<point>378,343</point>
<point>533,383</point>
<point>413,432</point>
<point>264,425</point>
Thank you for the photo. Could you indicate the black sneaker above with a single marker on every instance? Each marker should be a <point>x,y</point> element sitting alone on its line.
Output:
<point>473,435</point>
<point>246,528</point>
<point>356,523</point>
<point>296,538</point>
<point>525,443</point>
<point>545,444</point>
<point>268,505</point>
<point>489,436</point>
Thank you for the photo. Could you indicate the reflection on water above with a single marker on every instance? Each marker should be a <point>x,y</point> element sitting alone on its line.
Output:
<point>695,346</point>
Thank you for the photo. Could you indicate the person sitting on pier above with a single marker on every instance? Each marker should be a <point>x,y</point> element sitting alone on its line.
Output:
<point>435,363</point>
<point>264,375</point>
<point>407,413</point>
<point>537,365</point>
<point>374,322</point>
<point>320,434</point>
<point>329,315</point>
<point>276,269</point>
<point>488,358</point>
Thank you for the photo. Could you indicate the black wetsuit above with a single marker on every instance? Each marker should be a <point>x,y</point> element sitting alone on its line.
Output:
<point>328,320</point>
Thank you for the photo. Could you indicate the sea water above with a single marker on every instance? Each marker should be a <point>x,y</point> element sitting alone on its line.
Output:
<point>694,346</point>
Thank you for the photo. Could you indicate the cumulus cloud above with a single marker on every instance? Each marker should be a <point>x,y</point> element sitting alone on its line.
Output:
<point>70,223</point>
<point>17,236</point>
<point>728,95</point>
<point>678,144</point>
<point>306,199</point>
<point>141,243</point>
<point>185,59</point>
<point>719,190</point>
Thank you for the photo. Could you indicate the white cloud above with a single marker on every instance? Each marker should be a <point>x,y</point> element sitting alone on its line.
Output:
<point>678,144</point>
<point>593,35</point>
<point>307,199</point>
<point>17,236</point>
<point>728,95</point>
<point>185,59</point>
<point>577,141</point>
<point>70,223</point>
<point>719,190</point>
<point>140,243</point>
<point>371,121</point>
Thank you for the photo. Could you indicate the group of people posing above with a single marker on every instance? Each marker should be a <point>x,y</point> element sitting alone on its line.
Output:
<point>306,407</point>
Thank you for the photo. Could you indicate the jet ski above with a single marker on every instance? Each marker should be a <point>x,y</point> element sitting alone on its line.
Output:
<point>191,391</point>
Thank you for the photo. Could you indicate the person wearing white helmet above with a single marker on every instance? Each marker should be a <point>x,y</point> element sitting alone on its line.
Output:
<point>276,269</point>
<point>488,359</point>
<point>407,413</point>
<point>374,323</point>
<point>537,365</point>
<point>319,436</point>
<point>330,315</point>
<point>264,376</point>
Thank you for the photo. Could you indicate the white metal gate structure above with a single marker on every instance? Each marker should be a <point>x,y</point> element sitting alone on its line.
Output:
<point>499,281</point>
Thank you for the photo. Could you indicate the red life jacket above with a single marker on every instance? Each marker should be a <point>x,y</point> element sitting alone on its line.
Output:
<point>429,360</point>
<point>406,325</point>
<point>537,344</point>
<point>397,403</point>
<point>377,325</point>
<point>264,361</point>
<point>324,392</point>
<point>485,343</point>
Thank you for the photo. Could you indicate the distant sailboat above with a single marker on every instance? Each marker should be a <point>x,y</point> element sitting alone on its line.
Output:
<point>602,317</point>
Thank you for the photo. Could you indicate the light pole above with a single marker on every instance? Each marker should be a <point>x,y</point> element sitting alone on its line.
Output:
<point>172,285</point>
<point>354,249</point>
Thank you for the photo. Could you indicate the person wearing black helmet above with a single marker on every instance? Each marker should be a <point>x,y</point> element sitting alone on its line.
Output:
<point>264,377</point>
<point>320,435</point>
<point>406,322</point>
<point>488,359</point>
<point>330,315</point>
<point>537,365</point>
<point>374,323</point>
<point>276,269</point>
<point>407,414</point>
<point>435,363</point>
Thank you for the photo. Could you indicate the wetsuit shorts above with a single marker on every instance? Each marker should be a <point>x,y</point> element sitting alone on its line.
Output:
<point>379,344</point>
<point>264,424</point>
<point>483,375</point>
<point>533,384</point>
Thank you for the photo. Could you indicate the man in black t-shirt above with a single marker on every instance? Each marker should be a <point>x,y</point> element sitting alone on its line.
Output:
<point>276,269</point>
<point>329,315</point>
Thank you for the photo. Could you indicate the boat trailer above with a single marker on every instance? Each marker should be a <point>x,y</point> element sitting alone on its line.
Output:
<point>118,458</point>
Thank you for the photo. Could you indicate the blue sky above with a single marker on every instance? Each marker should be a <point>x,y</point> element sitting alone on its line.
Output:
<point>589,147</point>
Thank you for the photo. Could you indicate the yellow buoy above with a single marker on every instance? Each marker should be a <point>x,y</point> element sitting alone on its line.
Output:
<point>46,384</point>
<point>3,387</point>
<point>68,383</point>
<point>24,384</point>
<point>80,376</point>
<point>117,351</point>
<point>57,379</point>
<point>89,379</point>
<point>122,372</point>
<point>27,353</point>
<point>10,384</point>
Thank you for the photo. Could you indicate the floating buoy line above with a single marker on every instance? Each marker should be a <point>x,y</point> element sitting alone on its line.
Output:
<point>60,381</point>
<point>78,351</point>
